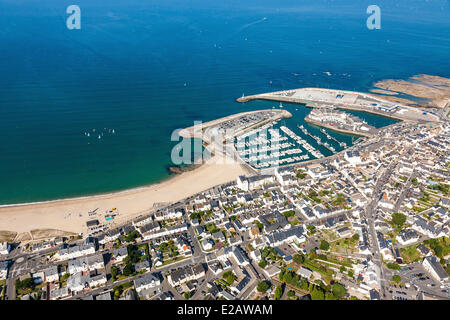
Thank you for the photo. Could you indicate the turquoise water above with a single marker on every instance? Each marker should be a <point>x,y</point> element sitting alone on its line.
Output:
<point>146,68</point>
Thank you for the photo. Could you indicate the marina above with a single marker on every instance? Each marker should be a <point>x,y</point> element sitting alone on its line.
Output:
<point>341,143</point>
<point>317,139</point>
<point>316,153</point>
<point>261,151</point>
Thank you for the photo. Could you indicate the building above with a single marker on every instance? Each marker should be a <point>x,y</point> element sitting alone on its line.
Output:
<point>75,251</point>
<point>168,214</point>
<point>104,296</point>
<point>186,274</point>
<point>207,244</point>
<point>432,265</point>
<point>59,293</point>
<point>84,264</point>
<point>119,254</point>
<point>150,280</point>
<point>97,280</point>
<point>424,250</point>
<point>165,232</point>
<point>295,234</point>
<point>407,237</point>
<point>141,221</point>
<point>3,270</point>
<point>4,248</point>
<point>51,274</point>
<point>344,232</point>
<point>78,282</point>
<point>43,246</point>
<point>353,157</point>
<point>253,182</point>
<point>305,273</point>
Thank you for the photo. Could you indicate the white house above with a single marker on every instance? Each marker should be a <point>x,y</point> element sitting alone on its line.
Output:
<point>180,276</point>
<point>353,157</point>
<point>75,252</point>
<point>119,254</point>
<point>77,282</point>
<point>4,248</point>
<point>97,280</point>
<point>207,244</point>
<point>141,221</point>
<point>148,281</point>
<point>84,264</point>
<point>407,237</point>
<point>51,274</point>
<point>432,265</point>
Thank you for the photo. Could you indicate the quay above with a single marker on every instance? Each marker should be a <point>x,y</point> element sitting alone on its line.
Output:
<point>239,122</point>
<point>347,100</point>
<point>337,129</point>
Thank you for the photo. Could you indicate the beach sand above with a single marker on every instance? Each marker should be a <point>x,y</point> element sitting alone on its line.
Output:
<point>55,215</point>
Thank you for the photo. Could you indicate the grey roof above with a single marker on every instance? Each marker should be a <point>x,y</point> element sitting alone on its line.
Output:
<point>51,271</point>
<point>103,296</point>
<point>145,280</point>
<point>285,234</point>
<point>437,267</point>
<point>121,251</point>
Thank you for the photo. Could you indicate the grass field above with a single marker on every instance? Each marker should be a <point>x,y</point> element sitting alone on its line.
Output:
<point>410,254</point>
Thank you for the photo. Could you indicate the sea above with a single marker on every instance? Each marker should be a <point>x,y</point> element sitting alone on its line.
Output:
<point>93,110</point>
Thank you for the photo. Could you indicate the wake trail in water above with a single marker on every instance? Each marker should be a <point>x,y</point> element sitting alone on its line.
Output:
<point>248,25</point>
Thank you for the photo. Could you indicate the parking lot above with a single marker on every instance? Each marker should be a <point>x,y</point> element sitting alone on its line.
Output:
<point>421,280</point>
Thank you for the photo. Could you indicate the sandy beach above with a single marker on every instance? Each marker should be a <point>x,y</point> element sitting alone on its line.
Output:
<point>64,215</point>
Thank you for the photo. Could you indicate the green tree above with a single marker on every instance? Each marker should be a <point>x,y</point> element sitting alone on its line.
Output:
<point>398,219</point>
<point>262,286</point>
<point>278,293</point>
<point>317,293</point>
<point>27,283</point>
<point>355,237</point>
<point>396,278</point>
<point>438,250</point>
<point>281,275</point>
<point>289,213</point>
<point>263,263</point>
<point>338,290</point>
<point>127,270</point>
<point>131,236</point>
<point>229,277</point>
<point>291,293</point>
<point>393,266</point>
<point>311,228</point>
<point>114,272</point>
<point>187,295</point>
<point>299,258</point>
<point>324,245</point>
<point>300,174</point>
